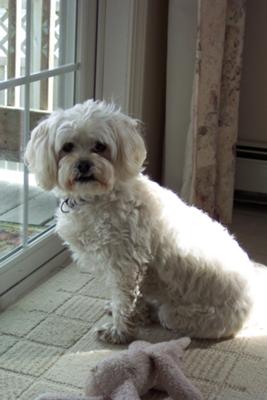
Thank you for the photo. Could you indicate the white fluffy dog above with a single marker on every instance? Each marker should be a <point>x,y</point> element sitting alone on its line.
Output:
<point>153,248</point>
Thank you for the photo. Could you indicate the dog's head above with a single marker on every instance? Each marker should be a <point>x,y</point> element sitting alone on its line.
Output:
<point>87,149</point>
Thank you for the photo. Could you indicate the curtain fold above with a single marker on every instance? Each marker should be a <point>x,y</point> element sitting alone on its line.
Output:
<point>209,169</point>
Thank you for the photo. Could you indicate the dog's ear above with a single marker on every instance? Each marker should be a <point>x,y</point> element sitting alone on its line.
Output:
<point>131,152</point>
<point>40,156</point>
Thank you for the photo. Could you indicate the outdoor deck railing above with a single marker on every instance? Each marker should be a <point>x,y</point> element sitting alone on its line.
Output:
<point>44,46</point>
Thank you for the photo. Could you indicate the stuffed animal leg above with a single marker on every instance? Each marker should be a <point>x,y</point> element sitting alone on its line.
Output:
<point>125,391</point>
<point>172,379</point>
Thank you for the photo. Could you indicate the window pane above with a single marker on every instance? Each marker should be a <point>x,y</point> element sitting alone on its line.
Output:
<point>12,35</point>
<point>63,95</point>
<point>52,39</point>
<point>52,93</point>
<point>53,33</point>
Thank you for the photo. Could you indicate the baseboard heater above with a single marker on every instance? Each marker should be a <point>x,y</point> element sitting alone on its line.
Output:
<point>251,174</point>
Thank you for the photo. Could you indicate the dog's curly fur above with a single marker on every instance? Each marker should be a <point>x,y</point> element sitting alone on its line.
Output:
<point>152,247</point>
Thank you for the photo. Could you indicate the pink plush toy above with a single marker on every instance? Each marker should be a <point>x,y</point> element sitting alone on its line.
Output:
<point>133,372</point>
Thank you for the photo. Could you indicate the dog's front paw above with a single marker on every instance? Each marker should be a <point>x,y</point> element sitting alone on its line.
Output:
<point>109,334</point>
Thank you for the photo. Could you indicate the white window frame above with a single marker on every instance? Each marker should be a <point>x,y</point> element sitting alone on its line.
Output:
<point>27,266</point>
<point>121,37</point>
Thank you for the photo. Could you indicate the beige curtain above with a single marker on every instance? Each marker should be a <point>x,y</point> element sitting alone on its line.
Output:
<point>210,154</point>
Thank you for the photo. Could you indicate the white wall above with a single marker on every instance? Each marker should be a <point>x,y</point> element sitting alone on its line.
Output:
<point>182,30</point>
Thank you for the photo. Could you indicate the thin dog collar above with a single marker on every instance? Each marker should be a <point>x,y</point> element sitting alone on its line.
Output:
<point>71,204</point>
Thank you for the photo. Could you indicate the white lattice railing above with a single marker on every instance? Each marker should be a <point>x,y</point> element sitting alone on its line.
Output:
<point>44,49</point>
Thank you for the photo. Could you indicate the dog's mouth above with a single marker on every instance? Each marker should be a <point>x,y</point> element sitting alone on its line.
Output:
<point>85,179</point>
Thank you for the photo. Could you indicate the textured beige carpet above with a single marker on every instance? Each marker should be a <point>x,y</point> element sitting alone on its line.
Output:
<point>47,344</point>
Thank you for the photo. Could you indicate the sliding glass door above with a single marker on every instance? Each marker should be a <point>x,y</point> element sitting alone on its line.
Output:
<point>38,74</point>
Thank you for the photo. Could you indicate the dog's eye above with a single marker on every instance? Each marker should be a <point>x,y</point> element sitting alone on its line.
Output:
<point>99,147</point>
<point>68,147</point>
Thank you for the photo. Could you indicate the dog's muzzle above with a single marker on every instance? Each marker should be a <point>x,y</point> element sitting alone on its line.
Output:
<point>84,170</point>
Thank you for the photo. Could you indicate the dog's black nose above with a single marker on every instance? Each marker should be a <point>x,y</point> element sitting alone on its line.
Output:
<point>84,166</point>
